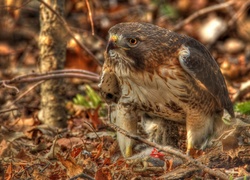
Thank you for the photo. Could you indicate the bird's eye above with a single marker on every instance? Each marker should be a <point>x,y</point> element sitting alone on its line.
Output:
<point>133,41</point>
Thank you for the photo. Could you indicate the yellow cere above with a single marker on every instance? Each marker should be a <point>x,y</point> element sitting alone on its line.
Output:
<point>114,38</point>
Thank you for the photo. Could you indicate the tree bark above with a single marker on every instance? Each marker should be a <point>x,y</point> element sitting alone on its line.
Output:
<point>52,43</point>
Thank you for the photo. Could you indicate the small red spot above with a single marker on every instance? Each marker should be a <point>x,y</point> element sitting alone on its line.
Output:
<point>156,154</point>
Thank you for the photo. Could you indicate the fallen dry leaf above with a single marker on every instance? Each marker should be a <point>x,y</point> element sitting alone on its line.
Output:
<point>97,153</point>
<point>24,156</point>
<point>72,168</point>
<point>4,146</point>
<point>103,174</point>
<point>8,172</point>
<point>76,151</point>
<point>10,135</point>
<point>69,143</point>
<point>22,124</point>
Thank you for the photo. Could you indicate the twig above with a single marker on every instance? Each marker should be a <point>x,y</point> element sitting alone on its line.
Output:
<point>82,175</point>
<point>10,87</point>
<point>173,151</point>
<point>19,97</point>
<point>230,10</point>
<point>202,12</point>
<point>90,17</point>
<point>239,13</point>
<point>52,75</point>
<point>62,71</point>
<point>231,22</point>
<point>72,71</point>
<point>93,130</point>
<point>8,110</point>
<point>64,23</point>
<point>51,153</point>
<point>26,92</point>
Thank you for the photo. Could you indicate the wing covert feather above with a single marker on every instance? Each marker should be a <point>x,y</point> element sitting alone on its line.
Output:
<point>198,62</point>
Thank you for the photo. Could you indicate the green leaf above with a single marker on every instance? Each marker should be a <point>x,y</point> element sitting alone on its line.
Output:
<point>81,100</point>
<point>243,107</point>
<point>95,99</point>
<point>91,100</point>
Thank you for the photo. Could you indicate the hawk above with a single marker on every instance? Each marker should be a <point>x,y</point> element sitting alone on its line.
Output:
<point>153,72</point>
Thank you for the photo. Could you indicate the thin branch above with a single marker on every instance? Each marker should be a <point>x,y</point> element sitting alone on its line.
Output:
<point>202,12</point>
<point>64,23</point>
<point>8,110</point>
<point>72,71</point>
<point>10,87</point>
<point>82,175</point>
<point>86,75</point>
<point>230,10</point>
<point>26,92</point>
<point>92,129</point>
<point>49,77</point>
<point>231,22</point>
<point>19,97</point>
<point>239,13</point>
<point>173,151</point>
<point>62,71</point>
<point>90,17</point>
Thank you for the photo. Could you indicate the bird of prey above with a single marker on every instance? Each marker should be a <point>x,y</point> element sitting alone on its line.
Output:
<point>153,72</point>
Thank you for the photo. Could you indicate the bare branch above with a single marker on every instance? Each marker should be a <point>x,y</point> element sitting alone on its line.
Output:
<point>10,87</point>
<point>202,12</point>
<point>173,151</point>
<point>26,92</point>
<point>19,97</point>
<point>8,110</point>
<point>71,73</point>
<point>82,175</point>
<point>90,17</point>
<point>239,13</point>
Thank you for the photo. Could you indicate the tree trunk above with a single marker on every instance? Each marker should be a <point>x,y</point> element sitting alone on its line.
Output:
<point>52,42</point>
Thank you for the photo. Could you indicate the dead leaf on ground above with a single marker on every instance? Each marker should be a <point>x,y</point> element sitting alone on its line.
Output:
<point>97,153</point>
<point>69,143</point>
<point>22,124</point>
<point>10,135</point>
<point>8,172</point>
<point>103,174</point>
<point>76,151</point>
<point>4,145</point>
<point>24,156</point>
<point>72,168</point>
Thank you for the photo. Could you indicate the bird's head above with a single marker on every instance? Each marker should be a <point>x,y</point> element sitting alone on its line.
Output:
<point>134,43</point>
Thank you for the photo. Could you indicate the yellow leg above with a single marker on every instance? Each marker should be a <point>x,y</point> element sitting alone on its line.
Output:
<point>126,119</point>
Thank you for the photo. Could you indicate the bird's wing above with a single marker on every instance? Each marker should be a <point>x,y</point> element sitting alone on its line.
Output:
<point>198,62</point>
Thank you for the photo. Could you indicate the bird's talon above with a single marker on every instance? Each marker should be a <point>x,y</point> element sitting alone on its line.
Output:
<point>129,151</point>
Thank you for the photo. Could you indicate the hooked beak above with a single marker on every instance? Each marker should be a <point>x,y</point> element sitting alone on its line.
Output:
<point>112,43</point>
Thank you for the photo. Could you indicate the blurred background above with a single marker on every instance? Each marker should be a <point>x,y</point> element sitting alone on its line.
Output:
<point>224,29</point>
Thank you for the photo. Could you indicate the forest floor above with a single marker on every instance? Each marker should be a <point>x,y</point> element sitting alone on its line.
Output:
<point>87,148</point>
